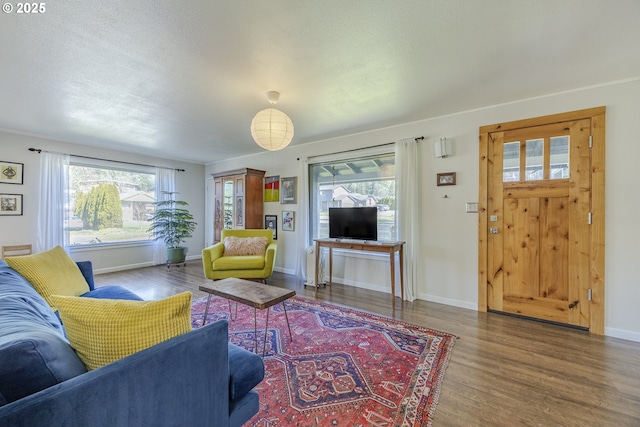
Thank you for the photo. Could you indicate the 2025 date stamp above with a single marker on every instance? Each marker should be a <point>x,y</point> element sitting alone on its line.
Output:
<point>24,8</point>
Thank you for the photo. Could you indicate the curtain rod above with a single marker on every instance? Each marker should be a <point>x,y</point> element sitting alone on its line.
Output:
<point>38,150</point>
<point>371,146</point>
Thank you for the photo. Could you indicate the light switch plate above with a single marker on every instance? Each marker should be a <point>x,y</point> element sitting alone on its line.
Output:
<point>472,207</point>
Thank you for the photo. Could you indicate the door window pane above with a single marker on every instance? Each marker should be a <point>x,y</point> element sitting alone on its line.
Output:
<point>559,150</point>
<point>511,162</point>
<point>534,160</point>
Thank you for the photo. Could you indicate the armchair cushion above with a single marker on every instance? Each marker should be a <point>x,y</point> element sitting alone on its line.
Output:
<point>252,262</point>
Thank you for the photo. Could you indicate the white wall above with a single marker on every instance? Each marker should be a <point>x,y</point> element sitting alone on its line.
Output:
<point>16,230</point>
<point>449,238</point>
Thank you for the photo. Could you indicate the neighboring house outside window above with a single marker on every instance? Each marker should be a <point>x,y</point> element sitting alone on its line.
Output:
<point>361,181</point>
<point>109,205</point>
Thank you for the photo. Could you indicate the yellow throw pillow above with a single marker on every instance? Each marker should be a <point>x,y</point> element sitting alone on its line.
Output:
<point>102,331</point>
<point>51,272</point>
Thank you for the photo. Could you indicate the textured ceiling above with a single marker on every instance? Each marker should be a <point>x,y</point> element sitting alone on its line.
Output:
<point>184,79</point>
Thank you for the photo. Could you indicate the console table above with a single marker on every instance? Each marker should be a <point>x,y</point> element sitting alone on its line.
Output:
<point>387,247</point>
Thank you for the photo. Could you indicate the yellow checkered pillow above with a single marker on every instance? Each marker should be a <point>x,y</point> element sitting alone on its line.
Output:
<point>51,272</point>
<point>102,331</point>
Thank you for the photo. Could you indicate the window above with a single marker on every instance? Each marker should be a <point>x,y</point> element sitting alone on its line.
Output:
<point>544,158</point>
<point>108,205</point>
<point>363,181</point>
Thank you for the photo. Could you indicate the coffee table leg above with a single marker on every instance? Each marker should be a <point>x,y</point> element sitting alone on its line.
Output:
<point>255,328</point>
<point>206,310</point>
<point>266,327</point>
<point>287,317</point>
<point>230,313</point>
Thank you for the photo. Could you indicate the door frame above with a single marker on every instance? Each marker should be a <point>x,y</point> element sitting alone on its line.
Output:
<point>597,229</point>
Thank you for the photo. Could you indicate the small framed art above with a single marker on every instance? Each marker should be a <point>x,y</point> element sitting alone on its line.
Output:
<point>10,204</point>
<point>271,223</point>
<point>11,173</point>
<point>288,221</point>
<point>289,190</point>
<point>271,188</point>
<point>447,178</point>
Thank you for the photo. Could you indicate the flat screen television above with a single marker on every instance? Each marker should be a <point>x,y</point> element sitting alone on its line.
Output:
<point>359,223</point>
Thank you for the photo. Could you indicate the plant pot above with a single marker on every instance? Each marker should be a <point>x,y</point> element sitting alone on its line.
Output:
<point>176,255</point>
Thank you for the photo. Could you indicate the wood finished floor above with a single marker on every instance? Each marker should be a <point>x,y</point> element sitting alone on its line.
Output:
<point>504,371</point>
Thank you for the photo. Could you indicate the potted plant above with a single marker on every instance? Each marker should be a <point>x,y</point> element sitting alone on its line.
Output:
<point>173,224</point>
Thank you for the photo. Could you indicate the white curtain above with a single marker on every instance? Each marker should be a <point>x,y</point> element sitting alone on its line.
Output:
<point>53,201</point>
<point>408,212</point>
<point>165,181</point>
<point>303,217</point>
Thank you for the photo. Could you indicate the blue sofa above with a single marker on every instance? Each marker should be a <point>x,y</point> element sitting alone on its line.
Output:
<point>195,379</point>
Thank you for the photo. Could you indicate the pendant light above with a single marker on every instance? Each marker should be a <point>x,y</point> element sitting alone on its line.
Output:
<point>272,129</point>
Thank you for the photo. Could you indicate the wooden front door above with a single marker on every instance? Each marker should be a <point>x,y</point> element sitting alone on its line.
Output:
<point>538,257</point>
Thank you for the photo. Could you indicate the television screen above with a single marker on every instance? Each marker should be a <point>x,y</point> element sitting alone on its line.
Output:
<point>354,223</point>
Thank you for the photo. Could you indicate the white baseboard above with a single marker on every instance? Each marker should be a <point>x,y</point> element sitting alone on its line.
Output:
<point>140,265</point>
<point>121,268</point>
<point>449,301</point>
<point>284,270</point>
<point>622,333</point>
<point>365,285</point>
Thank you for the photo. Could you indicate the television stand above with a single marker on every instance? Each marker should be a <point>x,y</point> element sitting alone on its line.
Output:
<point>369,246</point>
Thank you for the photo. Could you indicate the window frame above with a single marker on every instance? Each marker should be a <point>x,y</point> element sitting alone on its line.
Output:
<point>109,165</point>
<point>346,157</point>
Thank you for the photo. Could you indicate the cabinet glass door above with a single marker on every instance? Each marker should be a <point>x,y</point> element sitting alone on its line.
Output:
<point>228,204</point>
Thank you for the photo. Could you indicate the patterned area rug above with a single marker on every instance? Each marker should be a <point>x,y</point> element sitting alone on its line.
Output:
<point>342,368</point>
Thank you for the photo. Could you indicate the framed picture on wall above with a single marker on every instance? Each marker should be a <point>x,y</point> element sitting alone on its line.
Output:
<point>447,178</point>
<point>271,223</point>
<point>11,173</point>
<point>288,221</point>
<point>271,188</point>
<point>289,190</point>
<point>10,204</point>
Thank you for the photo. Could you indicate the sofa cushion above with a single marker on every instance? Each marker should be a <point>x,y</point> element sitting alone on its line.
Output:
<point>51,272</point>
<point>34,355</point>
<point>104,330</point>
<point>246,370</point>
<point>112,292</point>
<point>253,262</point>
<point>241,246</point>
<point>14,285</point>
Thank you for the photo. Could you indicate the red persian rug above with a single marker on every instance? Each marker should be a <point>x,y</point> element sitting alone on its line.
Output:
<point>342,368</point>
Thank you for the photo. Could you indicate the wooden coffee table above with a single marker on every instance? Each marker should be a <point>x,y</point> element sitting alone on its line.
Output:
<point>253,294</point>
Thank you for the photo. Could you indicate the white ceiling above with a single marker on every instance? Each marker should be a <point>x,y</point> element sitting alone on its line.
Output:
<point>183,79</point>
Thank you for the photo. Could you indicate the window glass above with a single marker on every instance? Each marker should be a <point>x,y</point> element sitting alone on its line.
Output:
<point>534,159</point>
<point>364,181</point>
<point>108,205</point>
<point>511,162</point>
<point>559,150</point>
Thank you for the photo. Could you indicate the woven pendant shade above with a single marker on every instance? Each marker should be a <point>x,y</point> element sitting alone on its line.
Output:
<point>272,129</point>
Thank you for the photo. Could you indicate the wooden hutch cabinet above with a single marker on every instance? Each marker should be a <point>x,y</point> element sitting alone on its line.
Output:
<point>237,201</point>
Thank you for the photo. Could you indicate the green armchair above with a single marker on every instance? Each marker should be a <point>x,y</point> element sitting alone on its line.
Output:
<point>218,266</point>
